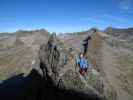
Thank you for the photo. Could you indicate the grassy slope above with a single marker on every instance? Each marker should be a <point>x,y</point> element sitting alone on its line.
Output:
<point>15,61</point>
<point>117,65</point>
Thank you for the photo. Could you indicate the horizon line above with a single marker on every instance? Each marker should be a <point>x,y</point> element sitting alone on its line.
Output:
<point>82,30</point>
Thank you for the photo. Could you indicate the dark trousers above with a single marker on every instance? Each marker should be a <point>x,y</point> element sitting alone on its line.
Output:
<point>82,71</point>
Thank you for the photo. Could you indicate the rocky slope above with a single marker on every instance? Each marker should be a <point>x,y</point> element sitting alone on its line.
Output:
<point>52,79</point>
<point>126,34</point>
<point>52,61</point>
<point>17,50</point>
<point>117,61</point>
<point>107,53</point>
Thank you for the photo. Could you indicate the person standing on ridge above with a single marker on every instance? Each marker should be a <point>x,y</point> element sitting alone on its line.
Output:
<point>83,64</point>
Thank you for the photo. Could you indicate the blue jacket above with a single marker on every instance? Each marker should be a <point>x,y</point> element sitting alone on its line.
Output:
<point>82,62</point>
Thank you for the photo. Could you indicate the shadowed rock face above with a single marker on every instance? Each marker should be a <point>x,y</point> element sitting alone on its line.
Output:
<point>36,87</point>
<point>49,57</point>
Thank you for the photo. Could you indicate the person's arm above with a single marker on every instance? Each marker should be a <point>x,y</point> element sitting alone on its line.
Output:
<point>87,63</point>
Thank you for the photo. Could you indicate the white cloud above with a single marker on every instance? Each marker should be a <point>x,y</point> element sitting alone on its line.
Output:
<point>126,4</point>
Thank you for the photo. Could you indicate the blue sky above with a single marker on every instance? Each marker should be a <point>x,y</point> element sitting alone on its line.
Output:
<point>64,15</point>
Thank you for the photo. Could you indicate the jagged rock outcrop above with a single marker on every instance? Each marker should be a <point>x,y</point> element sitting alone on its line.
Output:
<point>49,57</point>
<point>50,85</point>
<point>53,84</point>
<point>63,77</point>
<point>36,86</point>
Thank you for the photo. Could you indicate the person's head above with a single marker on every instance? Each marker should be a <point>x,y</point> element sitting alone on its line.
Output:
<point>81,55</point>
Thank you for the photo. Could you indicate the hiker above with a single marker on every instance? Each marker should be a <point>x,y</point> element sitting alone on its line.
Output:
<point>82,62</point>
